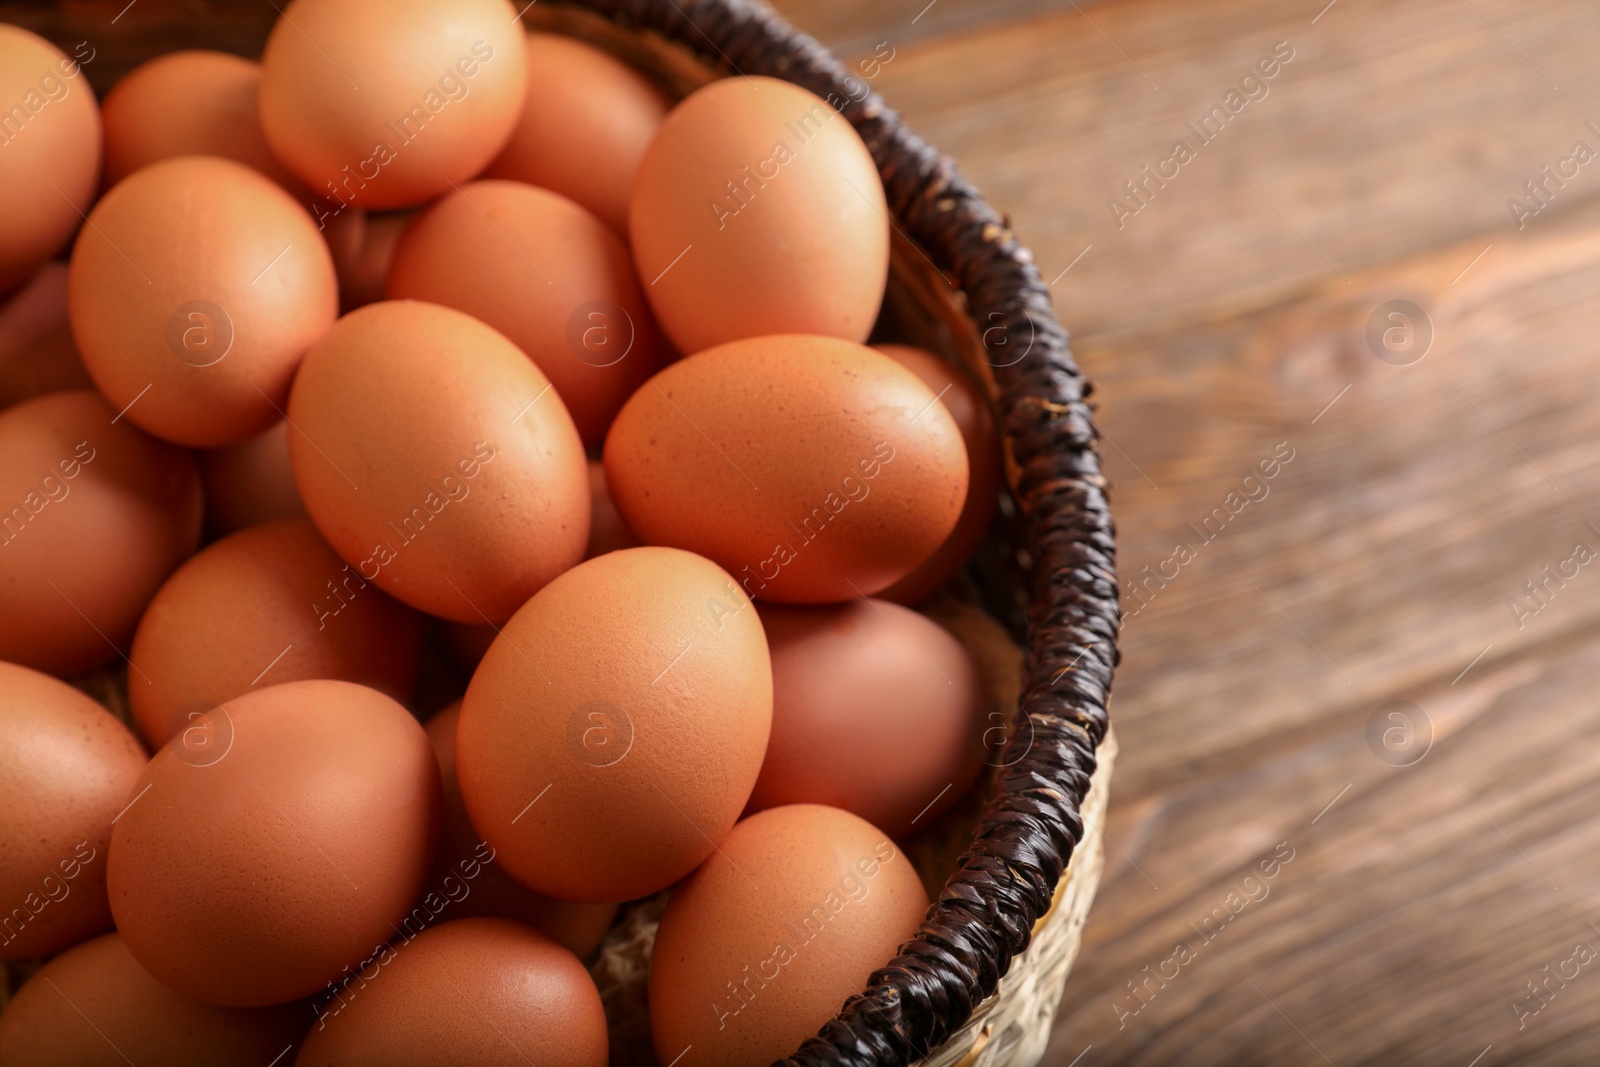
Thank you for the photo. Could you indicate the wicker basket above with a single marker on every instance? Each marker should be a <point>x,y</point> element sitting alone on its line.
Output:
<point>979,983</point>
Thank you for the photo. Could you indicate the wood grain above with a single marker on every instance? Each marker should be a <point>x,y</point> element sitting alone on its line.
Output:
<point>1395,126</point>
<point>1393,546</point>
<point>850,27</point>
<point>1379,566</point>
<point>1411,901</point>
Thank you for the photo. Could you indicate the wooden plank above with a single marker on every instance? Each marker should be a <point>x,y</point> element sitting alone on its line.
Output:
<point>1386,561</point>
<point>1383,562</point>
<point>1394,127</point>
<point>1394,547</point>
<point>852,28</point>
<point>1418,904</point>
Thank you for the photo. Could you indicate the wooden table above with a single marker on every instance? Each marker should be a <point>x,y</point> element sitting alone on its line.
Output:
<point>1347,389</point>
<point>1296,641</point>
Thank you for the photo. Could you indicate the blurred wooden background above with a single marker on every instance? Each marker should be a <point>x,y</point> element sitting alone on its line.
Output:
<point>1340,677</point>
<point>1376,574</point>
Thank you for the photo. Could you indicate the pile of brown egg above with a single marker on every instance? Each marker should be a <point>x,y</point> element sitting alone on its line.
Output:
<point>427,347</point>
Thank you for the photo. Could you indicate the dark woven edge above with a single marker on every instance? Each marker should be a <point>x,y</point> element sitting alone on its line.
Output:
<point>985,915</point>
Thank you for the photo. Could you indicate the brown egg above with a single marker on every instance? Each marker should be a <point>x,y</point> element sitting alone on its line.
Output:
<point>586,122</point>
<point>959,397</point>
<point>94,1006</point>
<point>607,530</point>
<point>66,769</point>
<point>433,459</point>
<point>267,605</point>
<point>251,482</point>
<point>761,946</point>
<point>385,103</point>
<point>37,355</point>
<point>275,843</point>
<point>548,275</point>
<point>613,731</point>
<point>812,469</point>
<point>483,889</point>
<point>190,103</point>
<point>875,709</point>
<point>487,992</point>
<point>195,290</point>
<point>757,210</point>
<point>363,247</point>
<point>93,517</point>
<point>49,150</point>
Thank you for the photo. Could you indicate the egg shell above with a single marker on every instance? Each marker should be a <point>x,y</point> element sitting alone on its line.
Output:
<point>437,461</point>
<point>94,515</point>
<point>37,355</point>
<point>614,729</point>
<point>761,946</point>
<point>363,246</point>
<point>382,104</point>
<point>758,210</point>
<point>548,275</point>
<point>189,103</point>
<point>488,992</point>
<point>49,136</point>
<point>586,121</point>
<point>250,482</point>
<point>960,397</point>
<point>275,843</point>
<point>67,767</point>
<point>94,1006</point>
<point>812,469</point>
<point>608,531</point>
<point>268,605</point>
<point>875,709</point>
<point>489,892</point>
<point>194,291</point>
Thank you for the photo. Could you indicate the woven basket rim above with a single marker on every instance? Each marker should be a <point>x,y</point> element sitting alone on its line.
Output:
<point>986,913</point>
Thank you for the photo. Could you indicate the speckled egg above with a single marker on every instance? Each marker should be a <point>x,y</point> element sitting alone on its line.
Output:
<point>812,469</point>
<point>379,104</point>
<point>465,872</point>
<point>66,769</point>
<point>437,461</point>
<point>189,103</point>
<point>275,844</point>
<point>586,122</point>
<point>614,729</point>
<point>971,413</point>
<point>195,289</point>
<point>94,1006</point>
<point>761,946</point>
<point>548,275</point>
<point>758,210</point>
<point>49,149</point>
<point>94,515</point>
<point>488,992</point>
<point>37,354</point>
<point>875,709</point>
<point>250,482</point>
<point>267,605</point>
